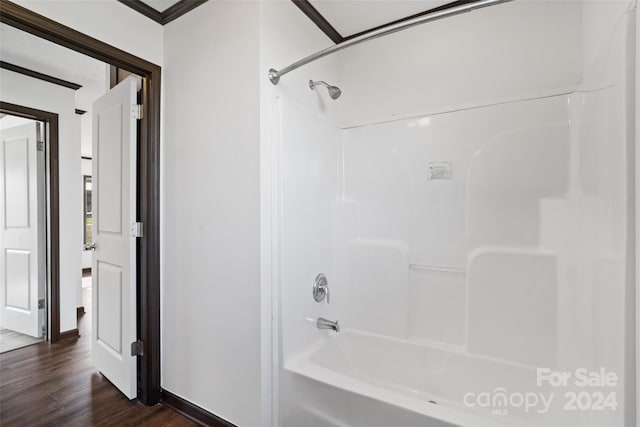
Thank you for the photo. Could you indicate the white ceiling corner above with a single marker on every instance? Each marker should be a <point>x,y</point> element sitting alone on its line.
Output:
<point>160,5</point>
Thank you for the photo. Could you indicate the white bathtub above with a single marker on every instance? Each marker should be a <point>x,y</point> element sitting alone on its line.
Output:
<point>369,380</point>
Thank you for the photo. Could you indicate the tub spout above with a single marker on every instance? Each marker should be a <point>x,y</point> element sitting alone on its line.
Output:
<point>323,323</point>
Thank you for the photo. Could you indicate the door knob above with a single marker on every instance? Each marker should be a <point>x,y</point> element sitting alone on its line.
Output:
<point>91,247</point>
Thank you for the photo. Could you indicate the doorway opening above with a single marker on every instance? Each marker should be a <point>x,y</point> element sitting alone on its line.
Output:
<point>147,310</point>
<point>23,289</point>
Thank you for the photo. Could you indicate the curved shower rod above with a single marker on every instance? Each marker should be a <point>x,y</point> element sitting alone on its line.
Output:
<point>274,75</point>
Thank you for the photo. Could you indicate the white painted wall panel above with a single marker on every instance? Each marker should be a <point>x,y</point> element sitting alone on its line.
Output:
<point>211,211</point>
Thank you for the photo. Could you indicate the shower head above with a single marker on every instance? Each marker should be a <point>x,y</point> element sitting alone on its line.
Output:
<point>334,91</point>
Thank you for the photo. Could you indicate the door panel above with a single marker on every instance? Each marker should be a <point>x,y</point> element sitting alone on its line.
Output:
<point>18,272</point>
<point>16,178</point>
<point>110,162</point>
<point>110,315</point>
<point>114,258</point>
<point>19,232</point>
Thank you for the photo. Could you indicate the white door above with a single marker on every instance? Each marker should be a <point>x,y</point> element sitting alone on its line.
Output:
<point>21,231</point>
<point>114,257</point>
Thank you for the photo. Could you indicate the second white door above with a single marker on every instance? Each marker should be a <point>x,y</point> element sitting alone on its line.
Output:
<point>114,213</point>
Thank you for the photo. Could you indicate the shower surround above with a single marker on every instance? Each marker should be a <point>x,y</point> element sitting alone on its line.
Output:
<point>513,261</point>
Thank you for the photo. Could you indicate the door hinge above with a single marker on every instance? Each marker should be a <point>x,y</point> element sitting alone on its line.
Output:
<point>137,229</point>
<point>137,111</point>
<point>41,304</point>
<point>40,146</point>
<point>136,348</point>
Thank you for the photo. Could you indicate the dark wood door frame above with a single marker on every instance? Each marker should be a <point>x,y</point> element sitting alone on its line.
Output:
<point>148,177</point>
<point>53,243</point>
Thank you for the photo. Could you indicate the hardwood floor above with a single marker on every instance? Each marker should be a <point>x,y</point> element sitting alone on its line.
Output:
<point>56,385</point>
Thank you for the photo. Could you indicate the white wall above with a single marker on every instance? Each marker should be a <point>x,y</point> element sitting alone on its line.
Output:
<point>109,21</point>
<point>477,58</point>
<point>18,89</point>
<point>211,211</point>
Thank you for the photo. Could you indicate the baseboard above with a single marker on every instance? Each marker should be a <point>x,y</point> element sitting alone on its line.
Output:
<point>69,334</point>
<point>80,311</point>
<point>194,412</point>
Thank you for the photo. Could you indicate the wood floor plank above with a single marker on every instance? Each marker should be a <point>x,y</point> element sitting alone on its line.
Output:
<point>56,385</point>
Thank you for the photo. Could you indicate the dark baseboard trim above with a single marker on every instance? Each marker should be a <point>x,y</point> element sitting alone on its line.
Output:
<point>80,310</point>
<point>36,75</point>
<point>70,334</point>
<point>194,412</point>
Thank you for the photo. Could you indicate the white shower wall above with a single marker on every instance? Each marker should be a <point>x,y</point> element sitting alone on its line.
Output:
<point>503,160</point>
<point>521,255</point>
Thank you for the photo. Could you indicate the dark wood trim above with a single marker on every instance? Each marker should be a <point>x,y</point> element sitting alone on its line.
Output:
<point>196,413</point>
<point>149,245</point>
<point>72,333</point>
<point>149,388</point>
<point>51,119</point>
<point>315,16</point>
<point>48,29</point>
<point>80,311</point>
<point>36,75</point>
<point>179,9</point>
<point>80,112</point>
<point>113,76</point>
<point>426,12</point>
<point>163,18</point>
<point>117,75</point>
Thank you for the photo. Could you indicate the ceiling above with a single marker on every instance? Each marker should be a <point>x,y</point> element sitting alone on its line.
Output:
<point>32,52</point>
<point>350,17</point>
<point>160,5</point>
<point>338,19</point>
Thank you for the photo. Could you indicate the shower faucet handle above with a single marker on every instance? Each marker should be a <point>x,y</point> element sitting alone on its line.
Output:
<point>321,288</point>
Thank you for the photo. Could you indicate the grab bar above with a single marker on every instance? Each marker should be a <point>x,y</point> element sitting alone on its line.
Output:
<point>438,268</point>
